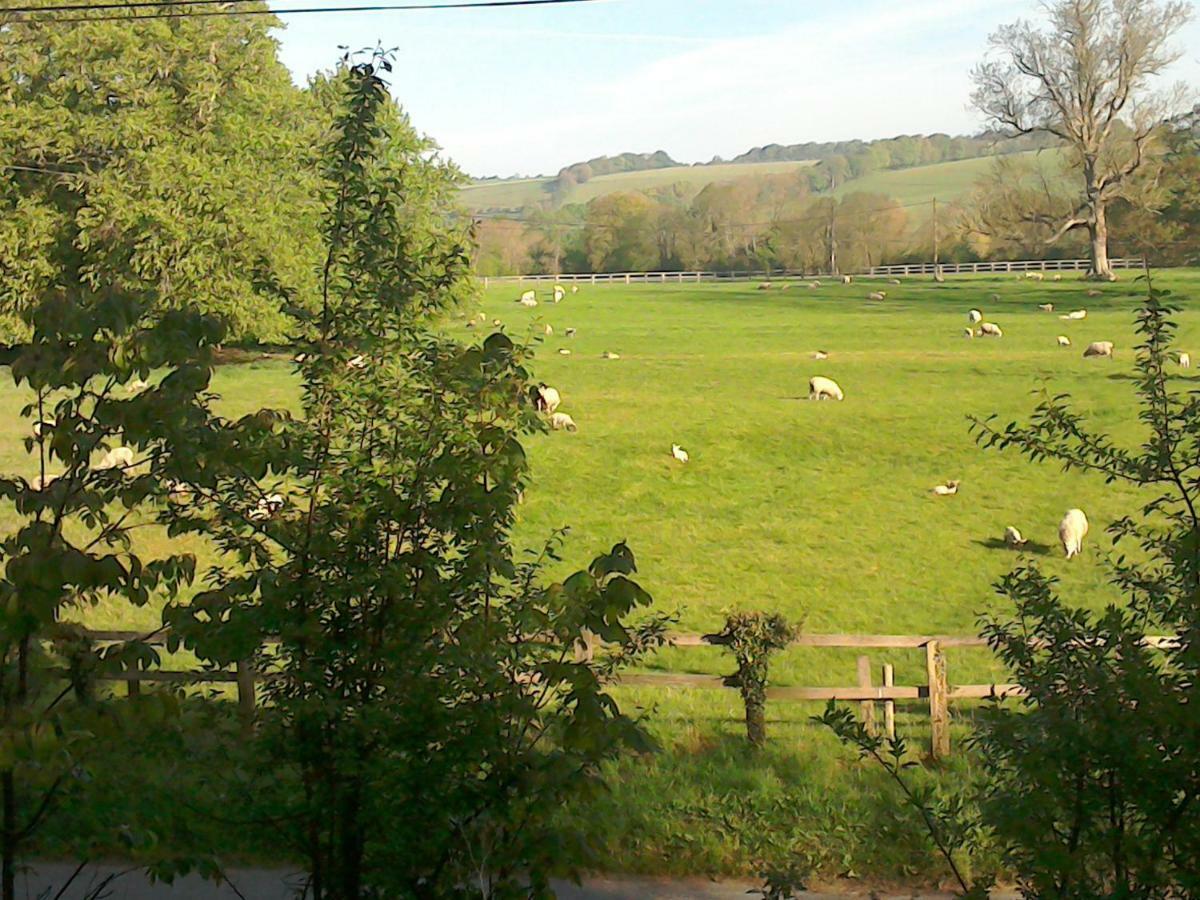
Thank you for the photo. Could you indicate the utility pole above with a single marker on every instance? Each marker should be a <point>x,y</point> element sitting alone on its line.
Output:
<point>831,239</point>
<point>937,269</point>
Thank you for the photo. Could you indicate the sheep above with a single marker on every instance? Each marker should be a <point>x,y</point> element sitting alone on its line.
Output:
<point>548,331</point>
<point>946,490</point>
<point>562,422</point>
<point>893,281</point>
<point>265,508</point>
<point>357,362</point>
<point>1071,531</point>
<point>42,428</point>
<point>1064,341</point>
<point>116,458</point>
<point>528,295</point>
<point>968,333</point>
<point>496,323</point>
<point>300,358</point>
<point>570,332</point>
<point>814,284</point>
<point>528,302</point>
<point>821,354</point>
<point>765,286</point>
<point>847,279</point>
<point>1012,538</point>
<point>563,351</point>
<point>546,399</point>
<point>1093,293</point>
<point>1099,348</point>
<point>559,294</point>
<point>1035,276</point>
<point>990,329</point>
<point>1057,276</point>
<point>1046,307</point>
<point>679,453</point>
<point>1075,315</point>
<point>574,289</point>
<point>1185,360</point>
<point>608,354</point>
<point>974,317</point>
<point>821,388</point>
<point>876,295</point>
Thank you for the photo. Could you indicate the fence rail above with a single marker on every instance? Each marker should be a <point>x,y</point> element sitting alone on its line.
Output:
<point>929,268</point>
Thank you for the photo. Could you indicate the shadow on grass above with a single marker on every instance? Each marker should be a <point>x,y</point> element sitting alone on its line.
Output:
<point>1029,547</point>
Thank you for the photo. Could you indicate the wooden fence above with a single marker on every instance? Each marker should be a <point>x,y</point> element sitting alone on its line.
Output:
<point>1022,265</point>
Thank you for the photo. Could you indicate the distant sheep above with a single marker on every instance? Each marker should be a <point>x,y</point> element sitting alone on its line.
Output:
<point>1034,276</point>
<point>679,453</point>
<point>821,354</point>
<point>548,331</point>
<point>563,351</point>
<point>1012,538</point>
<point>574,289</point>
<point>1064,341</point>
<point>995,298</point>
<point>974,317</point>
<point>570,332</point>
<point>765,286</point>
<point>1071,531</point>
<point>1075,315</point>
<point>116,458</point>
<point>822,388</point>
<point>562,422</point>
<point>265,508</point>
<point>496,323</point>
<point>990,329</point>
<point>1093,293</point>
<point>528,295</point>
<point>608,354</point>
<point>847,279</point>
<point>1057,277</point>
<point>546,399</point>
<point>1046,307</point>
<point>946,490</point>
<point>1099,348</point>
<point>559,294</point>
<point>893,281</point>
<point>877,295</point>
<point>1185,360</point>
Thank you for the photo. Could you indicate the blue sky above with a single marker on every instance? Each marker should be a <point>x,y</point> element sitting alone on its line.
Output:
<point>532,89</point>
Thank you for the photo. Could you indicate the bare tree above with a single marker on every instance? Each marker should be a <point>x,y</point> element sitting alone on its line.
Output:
<point>1087,82</point>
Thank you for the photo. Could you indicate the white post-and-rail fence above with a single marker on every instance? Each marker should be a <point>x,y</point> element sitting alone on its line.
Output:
<point>970,268</point>
<point>937,690</point>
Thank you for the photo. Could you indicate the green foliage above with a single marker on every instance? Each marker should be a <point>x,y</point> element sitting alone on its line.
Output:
<point>175,153</point>
<point>752,637</point>
<point>1097,768</point>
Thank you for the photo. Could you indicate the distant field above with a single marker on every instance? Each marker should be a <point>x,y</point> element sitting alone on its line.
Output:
<point>527,191</point>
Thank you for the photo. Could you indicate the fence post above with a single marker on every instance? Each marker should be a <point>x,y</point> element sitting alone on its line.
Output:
<point>245,689</point>
<point>868,706</point>
<point>889,706</point>
<point>133,687</point>
<point>939,701</point>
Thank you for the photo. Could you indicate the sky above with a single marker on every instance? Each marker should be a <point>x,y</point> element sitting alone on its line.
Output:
<point>529,90</point>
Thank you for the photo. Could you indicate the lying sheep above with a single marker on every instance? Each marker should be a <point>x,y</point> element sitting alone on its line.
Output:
<point>893,281</point>
<point>496,323</point>
<point>1071,531</point>
<point>974,317</point>
<point>946,490</point>
<point>765,286</point>
<point>877,295</point>
<point>563,351</point>
<point>546,399</point>
<point>990,329</point>
<point>1099,348</point>
<point>1185,360</point>
<point>562,422</point>
<point>1046,307</point>
<point>1012,538</point>
<point>822,388</point>
<point>821,354</point>
<point>1064,341</point>
<point>1075,315</point>
<point>608,354</point>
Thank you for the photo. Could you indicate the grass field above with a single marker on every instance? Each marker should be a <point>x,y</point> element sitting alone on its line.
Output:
<point>821,511</point>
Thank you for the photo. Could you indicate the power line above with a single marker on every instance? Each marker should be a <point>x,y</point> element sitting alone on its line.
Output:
<point>162,9</point>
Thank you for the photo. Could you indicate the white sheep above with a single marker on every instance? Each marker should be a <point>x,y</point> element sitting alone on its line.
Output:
<point>1064,341</point>
<point>679,453</point>
<point>821,354</point>
<point>608,354</point>
<point>765,286</point>
<point>1057,276</point>
<point>893,281</point>
<point>265,508</point>
<point>574,289</point>
<point>562,422</point>
<point>990,329</point>
<point>968,333</point>
<point>496,323</point>
<point>1072,530</point>
<point>549,331</point>
<point>1075,315</point>
<point>1034,276</point>
<point>570,332</point>
<point>529,302</point>
<point>847,279</point>
<point>1099,348</point>
<point>1046,307</point>
<point>116,458</point>
<point>546,399</point>
<point>821,388</point>
<point>528,295</point>
<point>974,316</point>
<point>946,490</point>
<point>1185,360</point>
<point>563,351</point>
<point>1013,538</point>
<point>559,293</point>
<point>877,295</point>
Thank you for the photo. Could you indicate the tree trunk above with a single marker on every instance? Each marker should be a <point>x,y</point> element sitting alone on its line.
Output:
<point>8,787</point>
<point>1098,232</point>
<point>756,723</point>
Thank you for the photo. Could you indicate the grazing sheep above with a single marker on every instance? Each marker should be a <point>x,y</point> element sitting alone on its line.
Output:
<point>528,302</point>
<point>1072,530</point>
<point>822,388</point>
<point>821,354</point>
<point>946,490</point>
<point>608,354</point>
<point>563,351</point>
<point>528,295</point>
<point>1013,538</point>
<point>974,317</point>
<point>1046,307</point>
<point>116,458</point>
<point>893,281</point>
<point>574,289</point>
<point>1064,341</point>
<point>1035,276</point>
<point>357,362</point>
<point>546,399</point>
<point>1185,360</point>
<point>570,332</point>
<point>765,286</point>
<point>559,293</point>
<point>876,295</point>
<point>1075,315</point>
<point>815,284</point>
<point>990,329</point>
<point>679,453</point>
<point>562,422</point>
<point>496,323</point>
<point>1099,348</point>
<point>1093,293</point>
<point>548,331</point>
<point>847,279</point>
<point>968,333</point>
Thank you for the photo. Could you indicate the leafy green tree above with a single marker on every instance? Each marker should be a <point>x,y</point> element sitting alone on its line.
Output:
<point>429,704</point>
<point>619,233</point>
<point>178,147</point>
<point>752,637</point>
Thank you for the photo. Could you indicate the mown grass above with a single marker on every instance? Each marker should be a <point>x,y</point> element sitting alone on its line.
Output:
<point>821,511</point>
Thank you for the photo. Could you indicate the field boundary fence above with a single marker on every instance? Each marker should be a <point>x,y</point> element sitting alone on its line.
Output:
<point>937,692</point>
<point>929,268</point>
